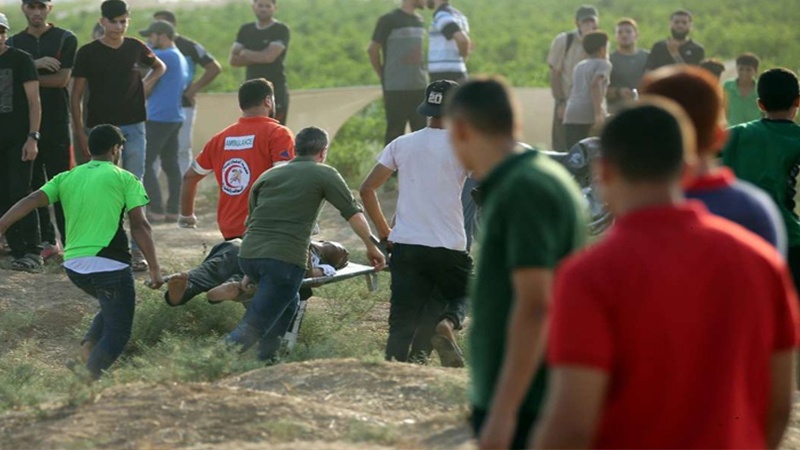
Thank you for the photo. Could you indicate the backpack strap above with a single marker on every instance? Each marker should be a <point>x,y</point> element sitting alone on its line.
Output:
<point>570,40</point>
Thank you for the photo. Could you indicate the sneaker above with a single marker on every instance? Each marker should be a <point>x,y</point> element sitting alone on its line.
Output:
<point>153,217</point>
<point>171,218</point>
<point>49,251</point>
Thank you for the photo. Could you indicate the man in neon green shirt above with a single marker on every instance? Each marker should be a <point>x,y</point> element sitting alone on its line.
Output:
<point>95,197</point>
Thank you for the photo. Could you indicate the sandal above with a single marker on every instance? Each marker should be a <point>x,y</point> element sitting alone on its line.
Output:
<point>138,263</point>
<point>29,263</point>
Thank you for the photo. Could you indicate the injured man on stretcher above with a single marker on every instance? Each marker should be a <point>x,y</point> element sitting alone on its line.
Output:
<point>221,278</point>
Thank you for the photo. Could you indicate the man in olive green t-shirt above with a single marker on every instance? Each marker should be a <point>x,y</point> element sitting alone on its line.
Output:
<point>532,219</point>
<point>284,205</point>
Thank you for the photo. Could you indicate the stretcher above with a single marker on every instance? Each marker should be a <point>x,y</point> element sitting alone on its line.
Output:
<point>351,270</point>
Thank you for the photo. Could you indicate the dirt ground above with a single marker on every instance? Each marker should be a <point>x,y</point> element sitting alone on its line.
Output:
<point>320,404</point>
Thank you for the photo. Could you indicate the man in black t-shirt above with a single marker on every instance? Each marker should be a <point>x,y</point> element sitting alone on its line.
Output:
<point>53,50</point>
<point>118,93</point>
<point>400,36</point>
<point>679,48</point>
<point>196,55</point>
<point>261,47</point>
<point>20,115</point>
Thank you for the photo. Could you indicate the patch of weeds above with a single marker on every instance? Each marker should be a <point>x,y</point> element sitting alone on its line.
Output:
<point>285,430</point>
<point>374,433</point>
<point>13,323</point>
<point>27,379</point>
<point>180,358</point>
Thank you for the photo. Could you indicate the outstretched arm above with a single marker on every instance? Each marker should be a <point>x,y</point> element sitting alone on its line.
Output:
<point>22,208</point>
<point>188,193</point>
<point>142,234</point>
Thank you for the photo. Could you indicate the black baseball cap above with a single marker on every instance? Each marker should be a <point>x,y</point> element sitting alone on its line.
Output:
<point>435,95</point>
<point>586,12</point>
<point>28,2</point>
<point>159,27</point>
<point>111,9</point>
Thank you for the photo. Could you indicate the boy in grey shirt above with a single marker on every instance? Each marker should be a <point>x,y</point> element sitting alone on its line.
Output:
<point>586,106</point>
<point>629,65</point>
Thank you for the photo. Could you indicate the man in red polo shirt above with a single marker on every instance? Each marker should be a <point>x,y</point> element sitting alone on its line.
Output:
<point>237,156</point>
<point>678,329</point>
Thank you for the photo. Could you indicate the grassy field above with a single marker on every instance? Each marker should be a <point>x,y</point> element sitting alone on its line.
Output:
<point>329,37</point>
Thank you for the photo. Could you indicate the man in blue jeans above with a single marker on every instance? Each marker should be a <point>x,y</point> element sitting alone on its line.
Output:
<point>97,258</point>
<point>284,204</point>
<point>107,67</point>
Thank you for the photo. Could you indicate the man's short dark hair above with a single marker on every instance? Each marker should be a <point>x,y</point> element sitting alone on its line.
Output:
<point>310,141</point>
<point>715,66</point>
<point>681,12</point>
<point>486,104</point>
<point>169,16</point>
<point>646,141</point>
<point>103,138</point>
<point>274,2</point>
<point>778,89</point>
<point>748,60</point>
<point>593,42</point>
<point>111,9</point>
<point>252,93</point>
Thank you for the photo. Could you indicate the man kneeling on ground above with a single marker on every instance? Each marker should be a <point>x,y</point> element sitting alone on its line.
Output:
<point>97,258</point>
<point>274,249</point>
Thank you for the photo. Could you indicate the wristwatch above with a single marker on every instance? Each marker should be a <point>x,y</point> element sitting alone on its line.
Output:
<point>35,136</point>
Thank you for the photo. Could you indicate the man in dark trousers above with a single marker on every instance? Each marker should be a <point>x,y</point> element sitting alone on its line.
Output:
<point>679,48</point>
<point>53,50</point>
<point>261,47</point>
<point>196,55</point>
<point>20,114</point>
<point>395,53</point>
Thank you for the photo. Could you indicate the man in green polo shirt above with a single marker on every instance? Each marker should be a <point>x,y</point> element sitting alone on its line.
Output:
<point>532,218</point>
<point>95,197</point>
<point>284,205</point>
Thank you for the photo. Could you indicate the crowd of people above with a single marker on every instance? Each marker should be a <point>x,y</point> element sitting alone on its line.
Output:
<point>677,329</point>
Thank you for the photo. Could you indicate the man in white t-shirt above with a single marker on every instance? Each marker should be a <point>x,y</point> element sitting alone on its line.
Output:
<point>430,264</point>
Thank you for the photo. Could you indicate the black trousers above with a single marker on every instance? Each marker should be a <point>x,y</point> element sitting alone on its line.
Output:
<point>282,103</point>
<point>53,159</point>
<point>15,184</point>
<point>162,141</point>
<point>401,109</point>
<point>525,424</point>
<point>427,285</point>
<point>574,133</point>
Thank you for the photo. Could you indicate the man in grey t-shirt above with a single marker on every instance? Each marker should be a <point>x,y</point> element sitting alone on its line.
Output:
<point>399,36</point>
<point>629,64</point>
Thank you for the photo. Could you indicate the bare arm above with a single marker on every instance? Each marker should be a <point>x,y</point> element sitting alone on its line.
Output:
<point>58,79</point>
<point>379,175</point>
<point>150,80</point>
<point>30,150</point>
<point>573,409</point>
<point>143,236</point>
<point>780,407</point>
<point>210,72</point>
<point>374,52</point>
<point>22,208</point>
<point>360,225</point>
<point>189,191</point>
<point>76,108</point>
<point>267,56</point>
<point>464,44</point>
<point>235,59</point>
<point>556,85</point>
<point>598,92</point>
<point>524,353</point>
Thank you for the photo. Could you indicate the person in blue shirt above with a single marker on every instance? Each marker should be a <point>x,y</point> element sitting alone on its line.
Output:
<point>165,117</point>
